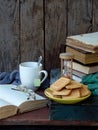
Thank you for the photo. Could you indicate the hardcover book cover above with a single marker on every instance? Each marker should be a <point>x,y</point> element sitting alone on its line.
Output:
<point>82,56</point>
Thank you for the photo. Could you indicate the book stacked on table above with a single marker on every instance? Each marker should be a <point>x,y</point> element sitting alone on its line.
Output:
<point>85,50</point>
<point>81,70</point>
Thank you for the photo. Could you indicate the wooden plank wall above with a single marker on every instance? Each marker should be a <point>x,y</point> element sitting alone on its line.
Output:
<point>9,34</point>
<point>30,28</point>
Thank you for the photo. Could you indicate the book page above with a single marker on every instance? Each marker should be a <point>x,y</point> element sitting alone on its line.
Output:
<point>7,109</point>
<point>88,38</point>
<point>4,103</point>
<point>15,97</point>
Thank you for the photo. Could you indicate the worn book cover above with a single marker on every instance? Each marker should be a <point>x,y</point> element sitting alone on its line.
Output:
<point>83,56</point>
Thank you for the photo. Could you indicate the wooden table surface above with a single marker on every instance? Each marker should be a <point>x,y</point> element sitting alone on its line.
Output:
<point>41,117</point>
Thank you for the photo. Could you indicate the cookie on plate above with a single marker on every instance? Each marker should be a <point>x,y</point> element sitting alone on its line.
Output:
<point>60,84</point>
<point>64,91</point>
<point>73,85</point>
<point>75,93</point>
<point>84,91</point>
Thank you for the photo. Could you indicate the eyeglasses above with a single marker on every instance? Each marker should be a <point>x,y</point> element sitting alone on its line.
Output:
<point>30,93</point>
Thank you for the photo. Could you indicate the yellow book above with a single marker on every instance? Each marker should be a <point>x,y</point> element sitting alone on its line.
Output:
<point>13,102</point>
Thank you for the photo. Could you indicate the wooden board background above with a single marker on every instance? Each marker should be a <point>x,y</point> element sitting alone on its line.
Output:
<point>30,28</point>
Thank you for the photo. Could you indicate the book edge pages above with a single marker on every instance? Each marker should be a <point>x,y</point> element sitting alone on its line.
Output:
<point>8,111</point>
<point>81,47</point>
<point>78,73</point>
<point>32,105</point>
<point>85,58</point>
<point>85,69</point>
<point>90,40</point>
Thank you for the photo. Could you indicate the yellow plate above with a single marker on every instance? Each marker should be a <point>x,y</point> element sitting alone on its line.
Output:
<point>64,101</point>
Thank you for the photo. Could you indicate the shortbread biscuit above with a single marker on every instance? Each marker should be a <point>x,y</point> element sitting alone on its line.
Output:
<point>73,85</point>
<point>60,84</point>
<point>75,93</point>
<point>62,92</point>
<point>50,93</point>
<point>57,96</point>
<point>84,91</point>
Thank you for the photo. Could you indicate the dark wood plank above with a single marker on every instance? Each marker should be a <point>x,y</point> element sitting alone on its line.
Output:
<point>31,30</point>
<point>79,16</point>
<point>9,34</point>
<point>40,118</point>
<point>40,27</point>
<point>95,15</point>
<point>55,31</point>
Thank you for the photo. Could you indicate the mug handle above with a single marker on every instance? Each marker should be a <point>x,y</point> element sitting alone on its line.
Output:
<point>45,75</point>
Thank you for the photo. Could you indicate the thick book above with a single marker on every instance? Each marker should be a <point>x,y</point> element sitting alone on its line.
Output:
<point>86,69</point>
<point>86,110</point>
<point>87,42</point>
<point>14,102</point>
<point>82,56</point>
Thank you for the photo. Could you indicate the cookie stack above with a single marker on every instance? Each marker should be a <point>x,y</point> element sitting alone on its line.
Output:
<point>67,89</point>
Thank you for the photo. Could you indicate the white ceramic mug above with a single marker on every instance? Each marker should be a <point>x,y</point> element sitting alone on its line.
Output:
<point>29,72</point>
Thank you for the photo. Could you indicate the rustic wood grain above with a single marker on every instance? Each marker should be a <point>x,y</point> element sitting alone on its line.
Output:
<point>79,16</point>
<point>95,16</point>
<point>40,118</point>
<point>9,33</point>
<point>31,30</point>
<point>55,31</point>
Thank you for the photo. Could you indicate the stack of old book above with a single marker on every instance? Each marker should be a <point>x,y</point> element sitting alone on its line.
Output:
<point>85,50</point>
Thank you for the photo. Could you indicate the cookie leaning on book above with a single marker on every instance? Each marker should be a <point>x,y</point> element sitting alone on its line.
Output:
<point>65,88</point>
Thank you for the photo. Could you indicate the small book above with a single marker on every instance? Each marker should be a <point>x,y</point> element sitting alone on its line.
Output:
<point>78,73</point>
<point>76,78</point>
<point>83,56</point>
<point>86,69</point>
<point>14,102</point>
<point>87,42</point>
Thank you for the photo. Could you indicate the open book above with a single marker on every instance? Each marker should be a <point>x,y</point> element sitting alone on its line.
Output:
<point>87,42</point>
<point>13,102</point>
